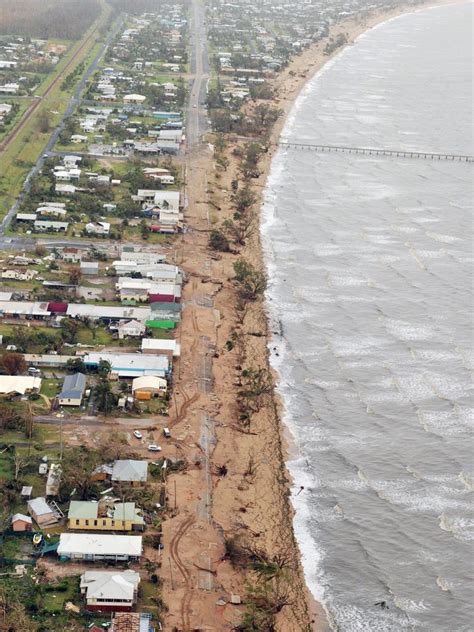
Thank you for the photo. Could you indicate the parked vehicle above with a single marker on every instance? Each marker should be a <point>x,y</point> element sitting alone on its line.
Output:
<point>137,434</point>
<point>167,433</point>
<point>154,448</point>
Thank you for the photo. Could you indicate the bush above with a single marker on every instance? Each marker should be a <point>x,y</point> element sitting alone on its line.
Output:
<point>218,241</point>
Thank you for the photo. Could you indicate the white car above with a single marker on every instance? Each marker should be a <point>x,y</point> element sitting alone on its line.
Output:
<point>137,434</point>
<point>154,448</point>
<point>167,433</point>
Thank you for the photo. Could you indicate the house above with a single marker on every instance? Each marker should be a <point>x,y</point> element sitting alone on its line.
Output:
<point>73,390</point>
<point>148,386</point>
<point>130,364</point>
<point>70,162</point>
<point>97,228</point>
<point>106,313</point>
<point>51,210</point>
<point>11,385</point>
<point>130,471</point>
<point>76,139</point>
<point>94,547</point>
<point>41,512</point>
<point>167,347</point>
<point>5,109</point>
<point>110,591</point>
<point>131,329</point>
<point>90,268</point>
<point>41,225</point>
<point>166,200</point>
<point>164,293</point>
<point>72,255</point>
<point>104,516</point>
<point>20,522</point>
<point>134,98</point>
<point>26,217</point>
<point>142,256</point>
<point>132,622</point>
<point>10,88</point>
<point>64,189</point>
<point>24,309</point>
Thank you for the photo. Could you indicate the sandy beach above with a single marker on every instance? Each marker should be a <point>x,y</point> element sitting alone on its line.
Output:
<point>251,499</point>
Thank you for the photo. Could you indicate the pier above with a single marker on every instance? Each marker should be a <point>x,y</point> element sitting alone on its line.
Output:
<point>377,151</point>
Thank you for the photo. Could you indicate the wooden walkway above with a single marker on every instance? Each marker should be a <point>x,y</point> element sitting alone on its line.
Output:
<point>375,151</point>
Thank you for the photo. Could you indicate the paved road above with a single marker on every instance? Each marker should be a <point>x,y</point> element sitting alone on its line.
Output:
<point>18,242</point>
<point>196,115</point>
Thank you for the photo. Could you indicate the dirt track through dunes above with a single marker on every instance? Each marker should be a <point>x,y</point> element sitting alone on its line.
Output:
<point>174,545</point>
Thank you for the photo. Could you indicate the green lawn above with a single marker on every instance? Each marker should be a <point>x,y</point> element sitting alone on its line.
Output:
<point>50,387</point>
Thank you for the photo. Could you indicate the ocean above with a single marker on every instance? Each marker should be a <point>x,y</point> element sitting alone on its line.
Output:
<point>370,275</point>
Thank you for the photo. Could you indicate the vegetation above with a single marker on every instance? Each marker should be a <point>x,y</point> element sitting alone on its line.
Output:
<point>250,281</point>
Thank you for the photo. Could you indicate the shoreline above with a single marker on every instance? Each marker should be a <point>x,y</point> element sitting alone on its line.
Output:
<point>289,91</point>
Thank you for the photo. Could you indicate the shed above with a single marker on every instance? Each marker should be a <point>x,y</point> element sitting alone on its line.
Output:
<point>90,268</point>
<point>41,512</point>
<point>150,384</point>
<point>20,522</point>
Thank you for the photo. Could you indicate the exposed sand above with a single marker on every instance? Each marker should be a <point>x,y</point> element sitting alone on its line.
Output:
<point>253,498</point>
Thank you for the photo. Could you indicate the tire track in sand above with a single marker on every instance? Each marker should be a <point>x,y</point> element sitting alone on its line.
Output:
<point>174,546</point>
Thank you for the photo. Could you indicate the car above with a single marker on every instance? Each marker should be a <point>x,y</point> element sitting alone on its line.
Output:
<point>167,433</point>
<point>154,448</point>
<point>195,106</point>
<point>137,434</point>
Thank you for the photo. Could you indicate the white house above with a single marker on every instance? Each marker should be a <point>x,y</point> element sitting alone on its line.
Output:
<point>131,329</point>
<point>110,590</point>
<point>134,98</point>
<point>98,228</point>
<point>92,547</point>
<point>19,384</point>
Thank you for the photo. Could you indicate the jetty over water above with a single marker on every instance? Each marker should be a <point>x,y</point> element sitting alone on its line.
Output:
<point>377,151</point>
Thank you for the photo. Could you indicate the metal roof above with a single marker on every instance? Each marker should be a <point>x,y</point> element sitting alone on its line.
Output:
<point>129,470</point>
<point>99,544</point>
<point>73,386</point>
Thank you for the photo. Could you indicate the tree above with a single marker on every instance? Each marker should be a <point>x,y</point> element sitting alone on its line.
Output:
<point>256,385</point>
<point>13,363</point>
<point>43,122</point>
<point>75,276</point>
<point>77,467</point>
<point>69,330</point>
<point>76,365</point>
<point>105,398</point>
<point>218,241</point>
<point>104,368</point>
<point>251,282</point>
<point>243,199</point>
<point>241,227</point>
